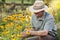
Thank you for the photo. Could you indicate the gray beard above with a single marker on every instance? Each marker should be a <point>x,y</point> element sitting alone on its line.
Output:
<point>40,19</point>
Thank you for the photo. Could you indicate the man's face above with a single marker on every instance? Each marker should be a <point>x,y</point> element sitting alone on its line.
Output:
<point>39,14</point>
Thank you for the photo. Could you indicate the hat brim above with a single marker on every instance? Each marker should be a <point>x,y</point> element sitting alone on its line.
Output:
<point>33,10</point>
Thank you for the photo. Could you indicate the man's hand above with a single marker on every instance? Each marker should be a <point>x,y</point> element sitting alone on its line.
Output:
<point>25,33</point>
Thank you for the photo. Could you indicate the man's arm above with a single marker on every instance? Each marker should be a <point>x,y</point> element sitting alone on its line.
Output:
<point>39,33</point>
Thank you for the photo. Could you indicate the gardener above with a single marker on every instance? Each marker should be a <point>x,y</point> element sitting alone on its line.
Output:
<point>43,27</point>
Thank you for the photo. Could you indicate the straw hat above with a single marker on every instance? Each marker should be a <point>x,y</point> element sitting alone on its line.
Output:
<point>38,6</point>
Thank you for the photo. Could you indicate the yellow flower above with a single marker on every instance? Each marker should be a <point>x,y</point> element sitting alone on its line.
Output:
<point>15,15</point>
<point>13,38</point>
<point>28,28</point>
<point>5,32</point>
<point>28,33</point>
<point>19,35</point>
<point>9,16</point>
<point>28,25</point>
<point>12,18</point>
<point>1,37</point>
<point>20,15</point>
<point>23,20</point>
<point>13,35</point>
<point>9,25</point>
<point>27,18</point>
<point>15,29</point>
<point>5,19</point>
<point>18,27</point>
<point>2,27</point>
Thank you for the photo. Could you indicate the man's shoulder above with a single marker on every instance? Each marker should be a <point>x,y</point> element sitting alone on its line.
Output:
<point>48,15</point>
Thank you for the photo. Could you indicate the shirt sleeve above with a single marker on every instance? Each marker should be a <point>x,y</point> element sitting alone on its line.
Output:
<point>49,25</point>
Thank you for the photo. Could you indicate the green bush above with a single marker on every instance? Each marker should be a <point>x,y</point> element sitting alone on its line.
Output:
<point>59,34</point>
<point>58,15</point>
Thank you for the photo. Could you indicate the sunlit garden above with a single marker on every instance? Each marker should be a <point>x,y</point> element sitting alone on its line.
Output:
<point>12,23</point>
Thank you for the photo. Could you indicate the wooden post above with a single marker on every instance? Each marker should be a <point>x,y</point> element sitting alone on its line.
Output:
<point>22,4</point>
<point>3,1</point>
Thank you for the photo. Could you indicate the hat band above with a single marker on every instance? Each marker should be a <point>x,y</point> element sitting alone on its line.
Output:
<point>37,8</point>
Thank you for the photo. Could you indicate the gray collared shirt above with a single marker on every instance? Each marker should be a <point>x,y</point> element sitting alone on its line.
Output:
<point>44,23</point>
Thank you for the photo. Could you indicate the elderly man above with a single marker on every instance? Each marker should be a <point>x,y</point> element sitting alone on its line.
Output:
<point>43,27</point>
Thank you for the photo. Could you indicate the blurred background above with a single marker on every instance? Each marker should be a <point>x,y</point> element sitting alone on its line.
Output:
<point>15,15</point>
